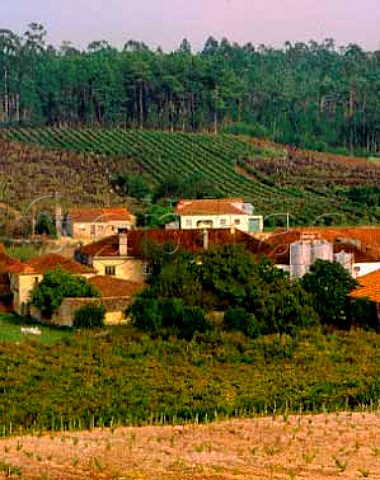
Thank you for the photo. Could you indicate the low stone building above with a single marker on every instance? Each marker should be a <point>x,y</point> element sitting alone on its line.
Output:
<point>91,224</point>
<point>116,296</point>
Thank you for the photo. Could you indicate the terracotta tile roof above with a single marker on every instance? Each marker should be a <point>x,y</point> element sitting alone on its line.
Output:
<point>49,261</point>
<point>210,206</point>
<point>93,215</point>
<point>188,240</point>
<point>110,286</point>
<point>369,287</point>
<point>7,262</point>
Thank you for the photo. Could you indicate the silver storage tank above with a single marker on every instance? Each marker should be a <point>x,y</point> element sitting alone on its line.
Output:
<point>300,259</point>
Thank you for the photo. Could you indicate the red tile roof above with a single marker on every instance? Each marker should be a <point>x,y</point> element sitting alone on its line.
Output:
<point>110,286</point>
<point>369,287</point>
<point>210,206</point>
<point>49,261</point>
<point>188,240</point>
<point>7,262</point>
<point>93,215</point>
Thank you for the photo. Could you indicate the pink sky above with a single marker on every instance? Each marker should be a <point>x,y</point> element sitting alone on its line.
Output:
<point>166,22</point>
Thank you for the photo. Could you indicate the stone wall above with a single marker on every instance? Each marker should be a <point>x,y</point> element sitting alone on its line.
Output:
<point>115,308</point>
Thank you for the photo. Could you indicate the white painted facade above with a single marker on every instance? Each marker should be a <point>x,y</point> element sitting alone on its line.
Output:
<point>362,268</point>
<point>243,222</point>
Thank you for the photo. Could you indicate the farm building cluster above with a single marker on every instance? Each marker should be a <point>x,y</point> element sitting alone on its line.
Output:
<point>113,253</point>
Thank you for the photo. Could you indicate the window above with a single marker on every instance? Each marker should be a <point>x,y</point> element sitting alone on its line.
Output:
<point>92,230</point>
<point>237,221</point>
<point>222,221</point>
<point>188,222</point>
<point>110,270</point>
<point>146,269</point>
<point>35,280</point>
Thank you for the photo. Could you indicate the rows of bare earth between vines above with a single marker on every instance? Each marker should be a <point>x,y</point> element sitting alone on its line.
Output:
<point>280,447</point>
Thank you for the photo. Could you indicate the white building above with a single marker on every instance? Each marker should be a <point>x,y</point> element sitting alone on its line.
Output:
<point>218,213</point>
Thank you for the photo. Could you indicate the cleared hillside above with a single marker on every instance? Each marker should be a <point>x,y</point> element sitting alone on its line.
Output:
<point>80,162</point>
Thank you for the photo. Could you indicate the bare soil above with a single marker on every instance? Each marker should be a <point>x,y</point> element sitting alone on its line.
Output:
<point>316,447</point>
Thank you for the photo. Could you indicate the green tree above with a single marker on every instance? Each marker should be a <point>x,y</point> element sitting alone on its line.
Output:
<point>45,225</point>
<point>329,283</point>
<point>284,307</point>
<point>55,287</point>
<point>132,186</point>
<point>226,273</point>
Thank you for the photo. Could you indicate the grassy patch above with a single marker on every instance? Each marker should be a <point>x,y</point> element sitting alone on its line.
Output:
<point>10,331</point>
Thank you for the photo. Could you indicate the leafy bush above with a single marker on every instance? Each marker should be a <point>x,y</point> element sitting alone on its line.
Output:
<point>239,319</point>
<point>329,283</point>
<point>194,320</point>
<point>284,307</point>
<point>146,314</point>
<point>151,315</point>
<point>172,310</point>
<point>90,316</point>
<point>363,313</point>
<point>57,285</point>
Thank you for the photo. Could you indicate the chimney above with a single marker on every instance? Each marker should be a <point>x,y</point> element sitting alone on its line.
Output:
<point>123,244</point>
<point>205,239</point>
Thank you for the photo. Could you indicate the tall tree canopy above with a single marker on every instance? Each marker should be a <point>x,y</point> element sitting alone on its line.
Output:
<point>309,94</point>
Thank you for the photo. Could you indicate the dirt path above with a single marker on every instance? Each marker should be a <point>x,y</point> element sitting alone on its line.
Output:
<point>318,447</point>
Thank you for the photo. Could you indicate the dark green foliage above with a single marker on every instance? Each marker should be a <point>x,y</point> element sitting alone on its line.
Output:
<point>309,94</point>
<point>193,320</point>
<point>131,186</point>
<point>57,285</point>
<point>154,215</point>
<point>193,185</point>
<point>369,196</point>
<point>363,314</point>
<point>248,129</point>
<point>284,307</point>
<point>45,225</point>
<point>226,273</point>
<point>172,310</point>
<point>329,283</point>
<point>239,319</point>
<point>90,316</point>
<point>152,315</point>
<point>178,279</point>
<point>258,297</point>
<point>146,314</point>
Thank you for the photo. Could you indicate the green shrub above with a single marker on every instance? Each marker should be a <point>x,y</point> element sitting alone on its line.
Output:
<point>58,285</point>
<point>172,310</point>
<point>329,283</point>
<point>235,319</point>
<point>90,316</point>
<point>363,313</point>
<point>146,314</point>
<point>243,321</point>
<point>194,320</point>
